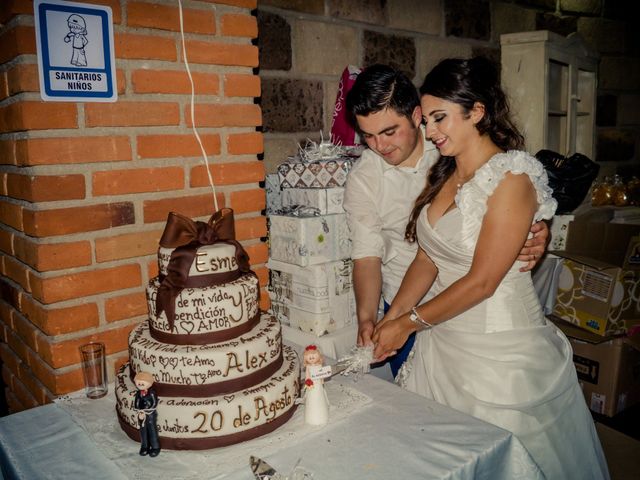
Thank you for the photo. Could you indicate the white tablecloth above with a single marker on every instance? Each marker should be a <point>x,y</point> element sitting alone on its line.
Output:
<point>380,432</point>
<point>45,442</point>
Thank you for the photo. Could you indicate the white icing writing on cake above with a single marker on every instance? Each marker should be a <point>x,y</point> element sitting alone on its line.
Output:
<point>206,263</point>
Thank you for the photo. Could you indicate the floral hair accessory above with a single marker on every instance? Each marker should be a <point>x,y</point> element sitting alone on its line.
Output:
<point>310,347</point>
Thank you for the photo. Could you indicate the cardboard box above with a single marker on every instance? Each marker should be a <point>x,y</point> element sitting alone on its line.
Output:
<point>606,242</point>
<point>599,283</point>
<point>608,369</point>
<point>597,296</point>
<point>295,173</point>
<point>632,258</point>
<point>560,231</point>
<point>307,241</point>
<point>318,299</point>
<point>326,200</point>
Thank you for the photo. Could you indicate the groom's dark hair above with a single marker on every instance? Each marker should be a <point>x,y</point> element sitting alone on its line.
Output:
<point>379,87</point>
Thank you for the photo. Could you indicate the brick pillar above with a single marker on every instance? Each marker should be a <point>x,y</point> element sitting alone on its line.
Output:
<point>86,187</point>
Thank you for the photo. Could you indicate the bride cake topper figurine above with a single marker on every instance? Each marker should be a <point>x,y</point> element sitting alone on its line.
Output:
<point>311,358</point>
<point>316,403</point>
<point>146,402</point>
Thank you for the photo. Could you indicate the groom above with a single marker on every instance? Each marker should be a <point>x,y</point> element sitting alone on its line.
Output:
<point>382,188</point>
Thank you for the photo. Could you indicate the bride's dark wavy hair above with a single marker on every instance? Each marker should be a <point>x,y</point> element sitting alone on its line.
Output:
<point>466,82</point>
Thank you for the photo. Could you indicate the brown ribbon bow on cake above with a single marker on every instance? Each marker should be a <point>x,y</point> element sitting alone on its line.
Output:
<point>186,236</point>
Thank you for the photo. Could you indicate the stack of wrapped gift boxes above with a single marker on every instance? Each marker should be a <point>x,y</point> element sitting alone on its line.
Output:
<point>311,272</point>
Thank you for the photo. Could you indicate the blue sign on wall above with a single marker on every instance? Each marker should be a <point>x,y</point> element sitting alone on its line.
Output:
<point>76,61</point>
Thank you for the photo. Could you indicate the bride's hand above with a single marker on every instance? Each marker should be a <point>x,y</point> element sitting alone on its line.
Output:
<point>383,320</point>
<point>389,335</point>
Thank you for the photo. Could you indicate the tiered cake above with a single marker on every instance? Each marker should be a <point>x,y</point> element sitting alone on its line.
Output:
<point>221,371</point>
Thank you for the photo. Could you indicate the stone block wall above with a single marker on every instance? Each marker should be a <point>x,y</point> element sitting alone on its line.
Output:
<point>85,188</point>
<point>305,45</point>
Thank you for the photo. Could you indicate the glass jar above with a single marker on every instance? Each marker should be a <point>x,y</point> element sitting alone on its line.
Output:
<point>619,192</point>
<point>601,192</point>
<point>633,191</point>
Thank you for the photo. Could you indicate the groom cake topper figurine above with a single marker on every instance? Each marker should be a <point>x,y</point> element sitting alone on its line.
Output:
<point>146,402</point>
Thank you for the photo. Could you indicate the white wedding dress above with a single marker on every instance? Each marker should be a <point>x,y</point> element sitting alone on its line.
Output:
<point>501,361</point>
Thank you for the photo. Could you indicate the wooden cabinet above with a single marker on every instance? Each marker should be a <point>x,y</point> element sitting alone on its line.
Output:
<point>551,84</point>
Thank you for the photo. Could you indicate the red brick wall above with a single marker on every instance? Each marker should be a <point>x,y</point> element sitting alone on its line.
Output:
<point>86,187</point>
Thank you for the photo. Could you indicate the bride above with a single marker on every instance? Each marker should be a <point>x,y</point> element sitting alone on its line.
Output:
<point>484,346</point>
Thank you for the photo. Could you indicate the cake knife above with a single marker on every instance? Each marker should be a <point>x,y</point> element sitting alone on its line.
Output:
<point>261,469</point>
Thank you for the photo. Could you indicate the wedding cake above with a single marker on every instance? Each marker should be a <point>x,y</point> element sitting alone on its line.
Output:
<point>221,372</point>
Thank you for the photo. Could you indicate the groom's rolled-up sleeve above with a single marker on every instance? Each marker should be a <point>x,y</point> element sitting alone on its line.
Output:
<point>365,223</point>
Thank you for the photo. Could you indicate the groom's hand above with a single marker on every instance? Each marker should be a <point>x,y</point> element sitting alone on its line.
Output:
<point>534,247</point>
<point>365,330</point>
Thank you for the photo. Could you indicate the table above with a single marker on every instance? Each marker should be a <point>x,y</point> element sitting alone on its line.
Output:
<point>393,434</point>
<point>45,442</point>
